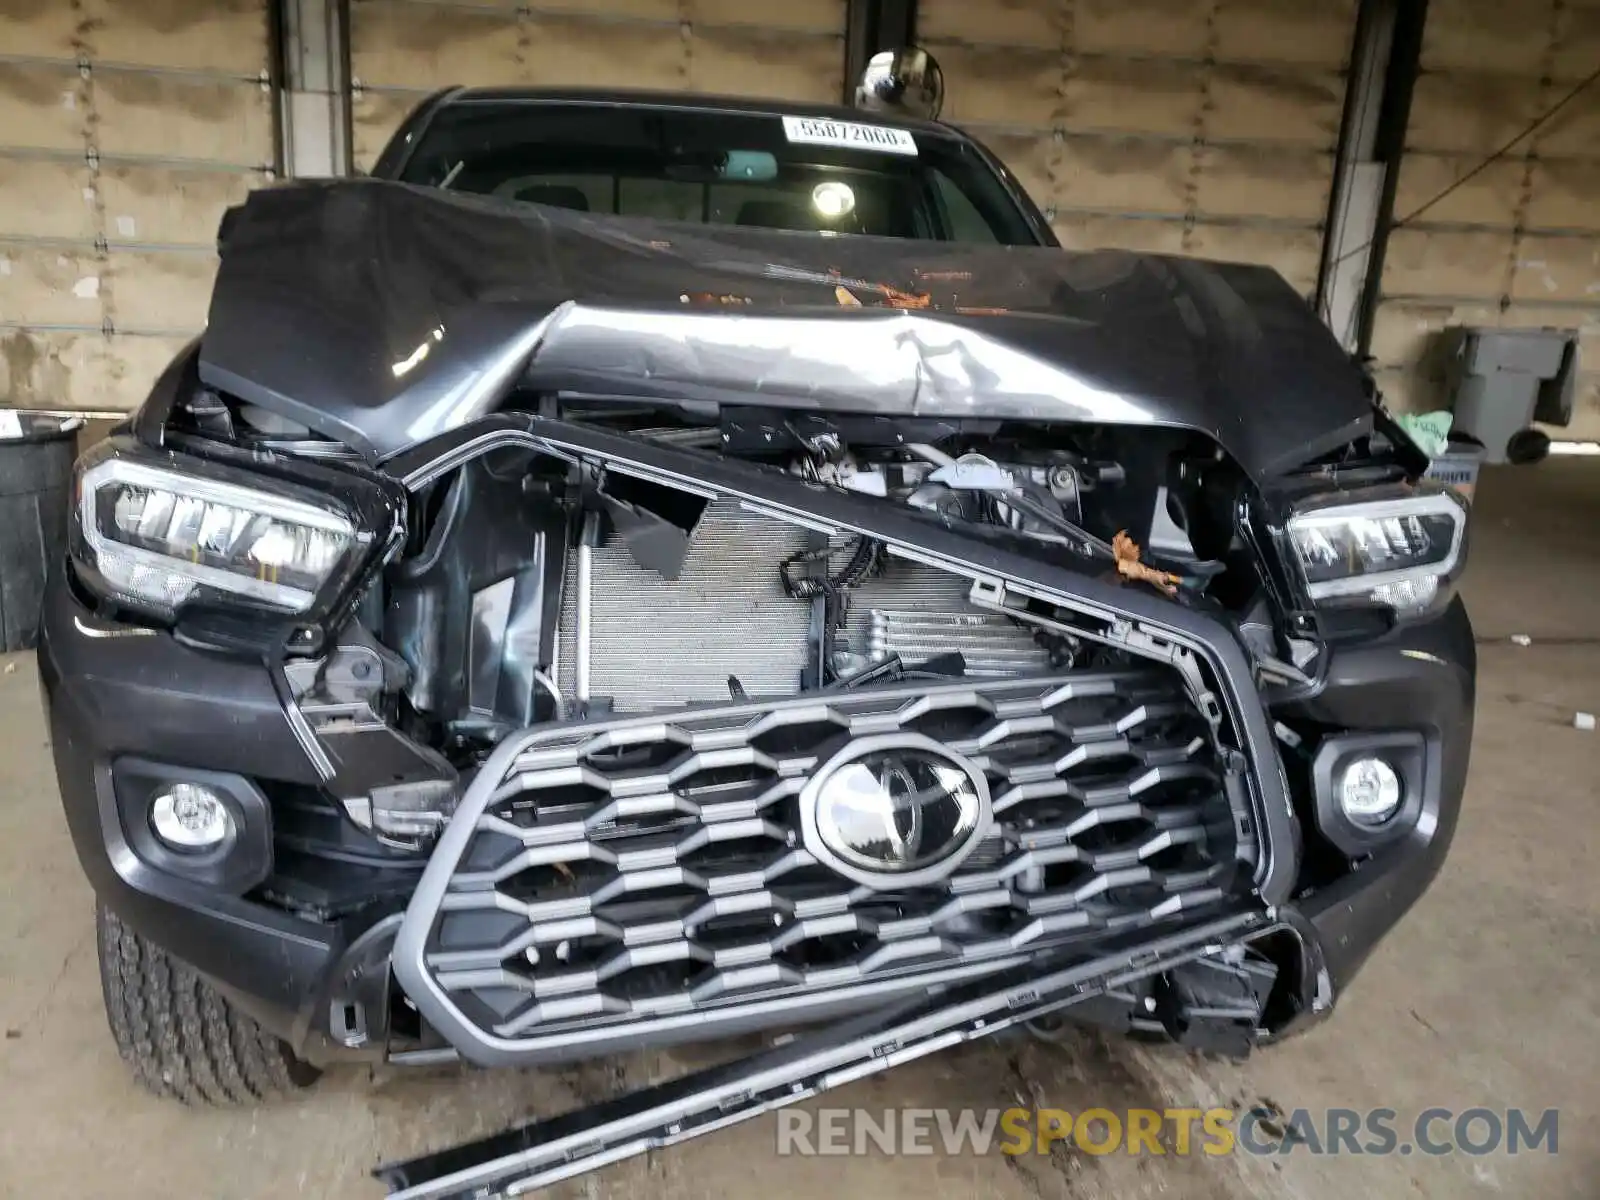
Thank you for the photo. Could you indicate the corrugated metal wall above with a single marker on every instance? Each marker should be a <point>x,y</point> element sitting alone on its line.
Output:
<point>125,130</point>
<point>1202,127</point>
<point>1517,245</point>
<point>402,49</point>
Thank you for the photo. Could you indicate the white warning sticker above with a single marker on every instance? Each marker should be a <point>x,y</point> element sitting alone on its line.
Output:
<point>817,131</point>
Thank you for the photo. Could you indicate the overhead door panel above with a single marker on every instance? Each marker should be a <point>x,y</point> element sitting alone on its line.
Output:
<point>125,130</point>
<point>400,50</point>
<point>1513,242</point>
<point>1205,127</point>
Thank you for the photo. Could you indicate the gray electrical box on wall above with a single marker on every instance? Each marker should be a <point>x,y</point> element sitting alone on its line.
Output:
<point>1502,380</point>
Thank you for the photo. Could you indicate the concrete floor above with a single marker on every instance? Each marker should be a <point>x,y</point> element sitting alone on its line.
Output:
<point>1486,995</point>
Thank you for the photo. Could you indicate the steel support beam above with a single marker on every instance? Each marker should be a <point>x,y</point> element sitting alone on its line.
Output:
<point>1358,175</point>
<point>1394,120</point>
<point>315,99</point>
<point>1384,61</point>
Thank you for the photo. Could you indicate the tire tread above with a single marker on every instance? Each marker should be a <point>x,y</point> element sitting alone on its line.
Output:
<point>181,1038</point>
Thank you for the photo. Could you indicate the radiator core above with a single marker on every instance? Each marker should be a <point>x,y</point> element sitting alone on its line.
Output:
<point>660,644</point>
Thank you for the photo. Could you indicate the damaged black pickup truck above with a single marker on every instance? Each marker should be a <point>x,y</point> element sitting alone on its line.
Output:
<point>653,568</point>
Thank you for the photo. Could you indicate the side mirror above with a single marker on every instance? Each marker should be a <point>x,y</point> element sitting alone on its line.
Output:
<point>906,83</point>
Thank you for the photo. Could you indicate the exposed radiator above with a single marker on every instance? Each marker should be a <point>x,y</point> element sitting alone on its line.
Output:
<point>655,643</point>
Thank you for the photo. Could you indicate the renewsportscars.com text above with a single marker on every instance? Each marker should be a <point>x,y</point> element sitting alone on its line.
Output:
<point>1161,1131</point>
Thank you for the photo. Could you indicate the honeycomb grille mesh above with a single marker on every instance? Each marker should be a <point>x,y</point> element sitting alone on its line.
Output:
<point>649,866</point>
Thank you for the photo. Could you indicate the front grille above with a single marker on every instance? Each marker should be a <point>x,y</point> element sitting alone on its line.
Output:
<point>632,869</point>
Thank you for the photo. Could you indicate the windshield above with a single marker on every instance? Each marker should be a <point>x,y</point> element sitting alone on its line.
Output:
<point>721,168</point>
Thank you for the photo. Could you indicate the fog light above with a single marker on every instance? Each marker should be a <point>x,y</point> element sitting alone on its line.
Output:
<point>188,816</point>
<point>1369,791</point>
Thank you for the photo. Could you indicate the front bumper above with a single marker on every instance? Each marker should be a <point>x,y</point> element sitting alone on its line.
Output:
<point>115,693</point>
<point>1419,677</point>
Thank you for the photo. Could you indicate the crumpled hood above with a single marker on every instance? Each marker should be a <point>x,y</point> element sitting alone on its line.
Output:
<point>383,314</point>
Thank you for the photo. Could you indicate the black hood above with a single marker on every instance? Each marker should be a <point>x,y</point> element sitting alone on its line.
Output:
<point>383,314</point>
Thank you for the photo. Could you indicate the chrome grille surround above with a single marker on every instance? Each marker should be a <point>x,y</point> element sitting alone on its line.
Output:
<point>633,876</point>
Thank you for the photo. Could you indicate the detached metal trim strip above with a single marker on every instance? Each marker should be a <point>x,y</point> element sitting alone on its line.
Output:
<point>545,1152</point>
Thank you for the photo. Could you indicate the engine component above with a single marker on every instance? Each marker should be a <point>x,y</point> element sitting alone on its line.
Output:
<point>970,487</point>
<point>1039,501</point>
<point>990,646</point>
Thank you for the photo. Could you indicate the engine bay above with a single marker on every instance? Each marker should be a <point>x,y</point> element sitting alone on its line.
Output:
<point>536,587</point>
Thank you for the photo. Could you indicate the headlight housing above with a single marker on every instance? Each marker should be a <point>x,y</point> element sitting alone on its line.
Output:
<point>1400,548</point>
<point>154,533</point>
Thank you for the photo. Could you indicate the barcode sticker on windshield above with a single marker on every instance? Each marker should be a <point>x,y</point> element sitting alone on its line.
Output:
<point>815,131</point>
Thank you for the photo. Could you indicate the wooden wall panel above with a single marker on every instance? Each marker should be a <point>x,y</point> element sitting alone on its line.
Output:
<point>1209,124</point>
<point>1516,244</point>
<point>125,130</point>
<point>403,49</point>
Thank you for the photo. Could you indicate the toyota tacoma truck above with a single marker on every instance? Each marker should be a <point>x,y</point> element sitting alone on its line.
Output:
<point>641,568</point>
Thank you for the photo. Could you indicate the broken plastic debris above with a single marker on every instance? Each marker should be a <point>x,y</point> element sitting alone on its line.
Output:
<point>1583,720</point>
<point>1522,639</point>
<point>1126,551</point>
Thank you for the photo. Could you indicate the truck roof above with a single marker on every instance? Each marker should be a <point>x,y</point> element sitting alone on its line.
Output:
<point>643,98</point>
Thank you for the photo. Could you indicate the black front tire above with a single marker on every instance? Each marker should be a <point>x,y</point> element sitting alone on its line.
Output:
<point>181,1037</point>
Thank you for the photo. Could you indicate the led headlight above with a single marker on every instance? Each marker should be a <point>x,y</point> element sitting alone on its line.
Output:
<point>154,537</point>
<point>1393,549</point>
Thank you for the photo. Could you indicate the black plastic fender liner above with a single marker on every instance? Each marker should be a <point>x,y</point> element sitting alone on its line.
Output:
<point>1154,621</point>
<point>542,1153</point>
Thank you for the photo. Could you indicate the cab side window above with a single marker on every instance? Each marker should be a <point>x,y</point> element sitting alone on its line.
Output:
<point>963,222</point>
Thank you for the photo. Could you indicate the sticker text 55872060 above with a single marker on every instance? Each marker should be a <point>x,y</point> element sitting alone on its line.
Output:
<point>816,131</point>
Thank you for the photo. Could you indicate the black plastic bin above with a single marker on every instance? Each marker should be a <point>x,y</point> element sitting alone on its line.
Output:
<point>36,454</point>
